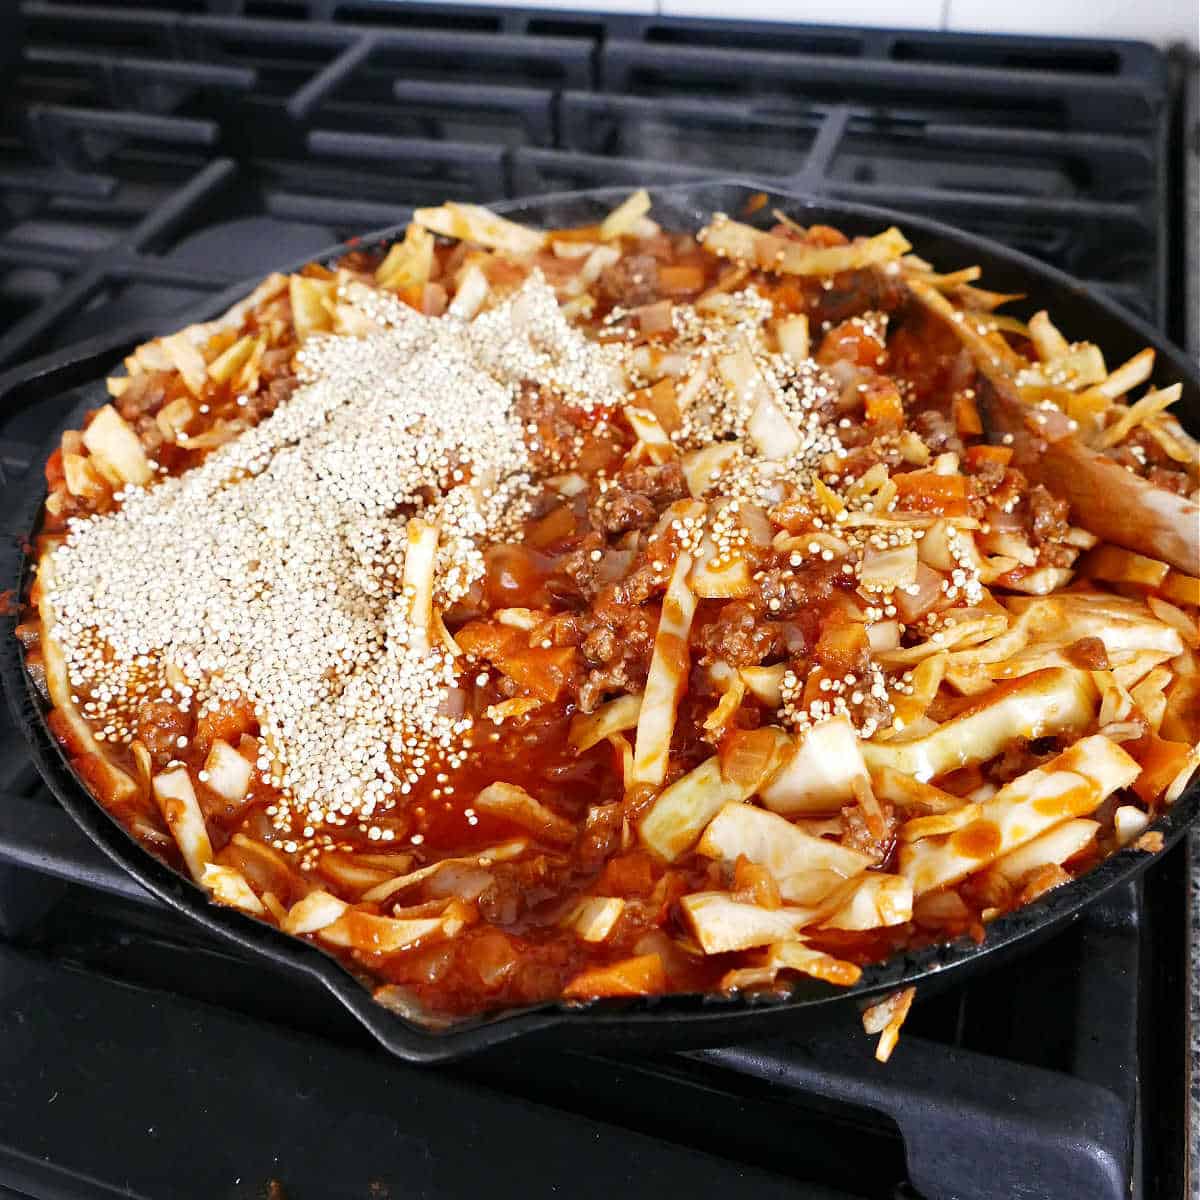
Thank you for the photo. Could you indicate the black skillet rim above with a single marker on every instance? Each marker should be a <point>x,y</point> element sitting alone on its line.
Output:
<point>661,1022</point>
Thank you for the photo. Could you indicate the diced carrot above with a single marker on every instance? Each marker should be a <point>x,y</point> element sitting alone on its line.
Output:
<point>500,271</point>
<point>852,341</point>
<point>754,884</point>
<point>754,203</point>
<point>583,233</point>
<point>54,469</point>
<point>660,400</point>
<point>980,453</point>
<point>557,524</point>
<point>787,297</point>
<point>825,235</point>
<point>540,671</point>
<point>1181,589</point>
<point>680,280</point>
<point>1118,565</point>
<point>219,343</point>
<point>413,295</point>
<point>927,491</point>
<point>1181,722</point>
<point>514,577</point>
<point>882,404</point>
<point>1160,761</point>
<point>966,416</point>
<point>643,975</point>
<point>229,722</point>
<point>629,874</point>
<point>486,639</point>
<point>842,645</point>
<point>748,756</point>
<point>1042,880</point>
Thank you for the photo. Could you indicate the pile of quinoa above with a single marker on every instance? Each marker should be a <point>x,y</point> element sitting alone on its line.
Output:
<point>273,571</point>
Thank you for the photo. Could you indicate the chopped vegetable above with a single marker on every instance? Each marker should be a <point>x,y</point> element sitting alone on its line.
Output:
<point>792,335</point>
<point>1151,403</point>
<point>679,814</point>
<point>1056,700</point>
<point>643,975</point>
<point>722,924</point>
<point>1070,785</point>
<point>701,467</point>
<point>1055,846</point>
<point>589,729</point>
<point>473,288</point>
<point>744,243</point>
<point>473,223</point>
<point>875,901</point>
<point>418,580</point>
<point>625,217</point>
<point>115,448</point>
<point>180,810</point>
<point>518,806</point>
<point>596,918</point>
<point>228,772</point>
<point>407,264</point>
<point>370,934</point>
<point>795,956</point>
<point>886,1018</point>
<point>667,678</point>
<point>316,911</point>
<point>768,839</point>
<point>227,886</point>
<point>481,858</point>
<point>820,772</point>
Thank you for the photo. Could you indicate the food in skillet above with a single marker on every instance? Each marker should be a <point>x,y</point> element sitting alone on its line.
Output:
<point>610,611</point>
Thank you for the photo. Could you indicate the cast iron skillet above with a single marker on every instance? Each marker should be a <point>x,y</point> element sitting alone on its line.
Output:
<point>661,1022</point>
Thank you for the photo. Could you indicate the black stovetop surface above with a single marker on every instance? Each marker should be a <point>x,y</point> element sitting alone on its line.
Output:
<point>152,155</point>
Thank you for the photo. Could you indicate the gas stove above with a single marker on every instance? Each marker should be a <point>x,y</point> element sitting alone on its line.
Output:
<point>151,156</point>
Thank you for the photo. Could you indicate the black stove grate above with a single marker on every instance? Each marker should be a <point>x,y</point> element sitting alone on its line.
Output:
<point>129,126</point>
<point>150,156</point>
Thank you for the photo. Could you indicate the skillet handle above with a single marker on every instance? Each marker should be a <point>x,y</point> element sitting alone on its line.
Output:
<point>40,378</point>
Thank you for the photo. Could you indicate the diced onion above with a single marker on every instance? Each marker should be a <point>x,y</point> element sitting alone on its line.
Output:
<point>227,886</point>
<point>113,444</point>
<point>625,217</point>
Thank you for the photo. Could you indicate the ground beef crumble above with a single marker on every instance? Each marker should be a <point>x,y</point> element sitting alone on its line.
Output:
<point>631,282</point>
<point>143,394</point>
<point>937,431</point>
<point>1048,516</point>
<point>557,435</point>
<point>581,568</point>
<point>617,645</point>
<point>634,499</point>
<point>786,593</point>
<point>740,637</point>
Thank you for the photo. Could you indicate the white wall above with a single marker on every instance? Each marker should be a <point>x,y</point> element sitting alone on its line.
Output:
<point>1162,21</point>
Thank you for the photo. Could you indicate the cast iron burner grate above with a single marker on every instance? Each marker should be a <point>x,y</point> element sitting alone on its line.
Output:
<point>150,157</point>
